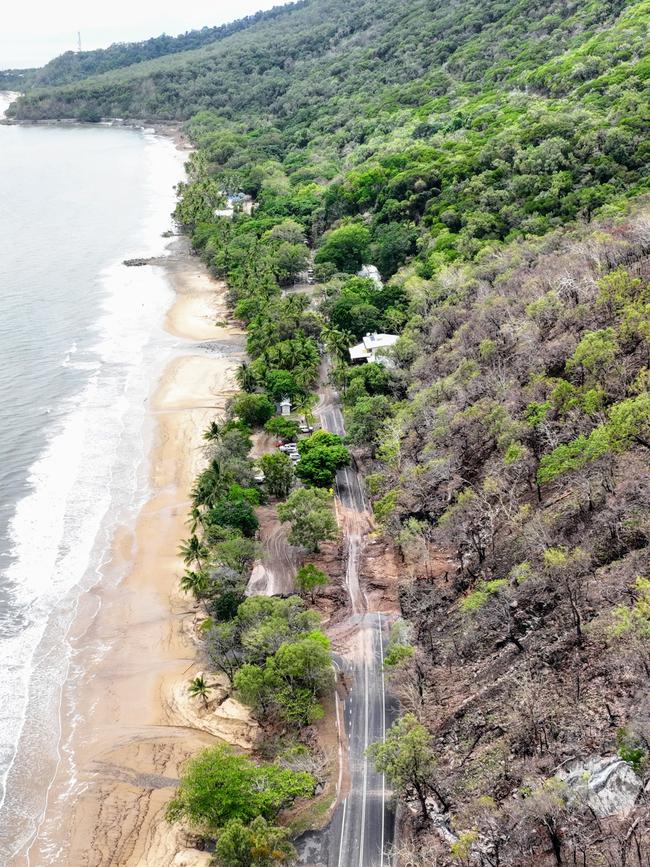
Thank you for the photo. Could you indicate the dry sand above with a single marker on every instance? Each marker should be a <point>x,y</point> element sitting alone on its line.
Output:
<point>138,725</point>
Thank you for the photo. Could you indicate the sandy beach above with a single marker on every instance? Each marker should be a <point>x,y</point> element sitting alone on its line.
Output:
<point>136,727</point>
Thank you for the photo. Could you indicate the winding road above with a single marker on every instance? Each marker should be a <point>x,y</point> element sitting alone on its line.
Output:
<point>363,825</point>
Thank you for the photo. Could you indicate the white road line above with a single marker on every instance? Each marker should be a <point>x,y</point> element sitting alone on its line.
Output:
<point>340,739</point>
<point>365,766</point>
<point>345,807</point>
<point>383,734</point>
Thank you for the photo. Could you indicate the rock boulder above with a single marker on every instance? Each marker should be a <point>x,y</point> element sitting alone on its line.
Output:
<point>608,784</point>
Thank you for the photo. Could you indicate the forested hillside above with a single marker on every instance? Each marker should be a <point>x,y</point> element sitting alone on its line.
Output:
<point>463,124</point>
<point>16,80</point>
<point>492,161</point>
<point>75,65</point>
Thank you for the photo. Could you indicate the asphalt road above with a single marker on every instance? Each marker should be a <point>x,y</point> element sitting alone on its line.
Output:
<point>362,829</point>
<point>348,486</point>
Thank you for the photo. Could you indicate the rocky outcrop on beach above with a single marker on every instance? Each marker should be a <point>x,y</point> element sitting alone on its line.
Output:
<point>169,845</point>
<point>138,263</point>
<point>222,716</point>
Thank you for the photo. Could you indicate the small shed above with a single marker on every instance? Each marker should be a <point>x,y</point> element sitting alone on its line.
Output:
<point>284,407</point>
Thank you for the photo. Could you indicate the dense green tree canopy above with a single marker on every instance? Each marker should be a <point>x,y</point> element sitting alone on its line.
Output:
<point>278,473</point>
<point>253,409</point>
<point>235,510</point>
<point>345,247</point>
<point>280,426</point>
<point>257,844</point>
<point>219,786</point>
<point>321,455</point>
<point>461,128</point>
<point>310,514</point>
<point>309,579</point>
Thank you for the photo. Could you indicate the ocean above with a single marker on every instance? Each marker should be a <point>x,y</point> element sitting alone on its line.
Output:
<point>81,345</point>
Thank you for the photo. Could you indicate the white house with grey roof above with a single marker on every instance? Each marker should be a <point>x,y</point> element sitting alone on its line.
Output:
<point>373,348</point>
<point>236,201</point>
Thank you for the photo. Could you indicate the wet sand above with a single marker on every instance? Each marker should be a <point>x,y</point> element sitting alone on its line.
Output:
<point>132,740</point>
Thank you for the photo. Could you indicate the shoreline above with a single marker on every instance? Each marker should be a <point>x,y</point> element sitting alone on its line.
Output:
<point>169,129</point>
<point>135,734</point>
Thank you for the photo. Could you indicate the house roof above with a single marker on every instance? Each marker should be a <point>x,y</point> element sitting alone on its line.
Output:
<point>358,351</point>
<point>376,341</point>
<point>370,344</point>
<point>237,198</point>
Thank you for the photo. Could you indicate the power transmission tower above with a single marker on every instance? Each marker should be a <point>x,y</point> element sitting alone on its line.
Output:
<point>78,40</point>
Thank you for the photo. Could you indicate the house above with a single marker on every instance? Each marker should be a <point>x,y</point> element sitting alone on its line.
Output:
<point>235,202</point>
<point>371,272</point>
<point>284,407</point>
<point>373,348</point>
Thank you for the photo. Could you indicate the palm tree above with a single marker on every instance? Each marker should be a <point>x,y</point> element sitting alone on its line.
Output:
<point>246,379</point>
<point>338,375</point>
<point>193,550</point>
<point>213,432</point>
<point>305,376</point>
<point>305,404</point>
<point>194,583</point>
<point>198,688</point>
<point>348,340</point>
<point>336,341</point>
<point>208,486</point>
<point>195,520</point>
<point>295,305</point>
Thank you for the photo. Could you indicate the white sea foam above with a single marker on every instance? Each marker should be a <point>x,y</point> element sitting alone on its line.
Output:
<point>90,479</point>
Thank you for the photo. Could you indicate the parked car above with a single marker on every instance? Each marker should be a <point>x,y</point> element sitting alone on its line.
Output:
<point>306,429</point>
